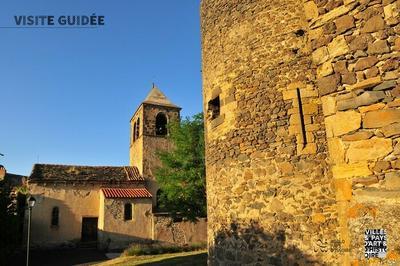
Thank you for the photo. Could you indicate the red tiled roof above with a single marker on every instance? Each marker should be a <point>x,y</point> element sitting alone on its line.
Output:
<point>132,173</point>
<point>126,193</point>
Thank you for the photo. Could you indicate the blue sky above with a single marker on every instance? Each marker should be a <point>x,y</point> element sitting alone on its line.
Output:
<point>67,94</point>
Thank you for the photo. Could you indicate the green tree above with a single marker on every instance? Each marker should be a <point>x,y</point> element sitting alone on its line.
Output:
<point>182,175</point>
<point>9,225</point>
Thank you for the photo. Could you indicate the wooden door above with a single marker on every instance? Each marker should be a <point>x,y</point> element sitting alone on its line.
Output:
<point>89,228</point>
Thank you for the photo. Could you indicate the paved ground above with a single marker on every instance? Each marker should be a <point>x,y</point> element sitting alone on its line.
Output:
<point>62,257</point>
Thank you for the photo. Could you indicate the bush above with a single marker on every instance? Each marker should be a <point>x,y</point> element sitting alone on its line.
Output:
<point>154,249</point>
<point>10,225</point>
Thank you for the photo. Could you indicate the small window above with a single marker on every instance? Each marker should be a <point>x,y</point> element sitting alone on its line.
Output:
<point>54,216</point>
<point>161,125</point>
<point>128,211</point>
<point>214,108</point>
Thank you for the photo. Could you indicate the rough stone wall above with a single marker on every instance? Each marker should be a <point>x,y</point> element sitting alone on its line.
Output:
<point>281,70</point>
<point>150,113</point>
<point>143,149</point>
<point>355,50</point>
<point>117,233</point>
<point>167,230</point>
<point>267,189</point>
<point>151,142</point>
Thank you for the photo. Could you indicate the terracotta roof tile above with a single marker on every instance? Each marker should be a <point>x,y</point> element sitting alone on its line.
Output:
<point>132,173</point>
<point>126,193</point>
<point>77,173</point>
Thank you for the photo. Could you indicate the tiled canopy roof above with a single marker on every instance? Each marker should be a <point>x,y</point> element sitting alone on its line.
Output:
<point>126,193</point>
<point>57,173</point>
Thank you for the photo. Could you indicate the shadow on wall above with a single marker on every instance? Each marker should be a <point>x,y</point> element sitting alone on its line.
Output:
<point>65,233</point>
<point>178,231</point>
<point>113,241</point>
<point>251,245</point>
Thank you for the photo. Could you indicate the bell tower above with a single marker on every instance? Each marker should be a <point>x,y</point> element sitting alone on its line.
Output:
<point>149,134</point>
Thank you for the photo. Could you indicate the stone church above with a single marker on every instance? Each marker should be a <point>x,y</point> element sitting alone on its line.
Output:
<point>302,131</point>
<point>107,205</point>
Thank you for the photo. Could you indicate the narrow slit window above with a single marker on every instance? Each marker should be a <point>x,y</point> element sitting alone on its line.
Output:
<point>158,200</point>
<point>134,131</point>
<point>55,216</point>
<point>214,108</point>
<point>137,128</point>
<point>302,124</point>
<point>128,211</point>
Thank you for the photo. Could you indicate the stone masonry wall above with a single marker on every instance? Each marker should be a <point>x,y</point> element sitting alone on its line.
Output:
<point>356,48</point>
<point>166,230</point>
<point>303,156</point>
<point>270,197</point>
<point>151,142</point>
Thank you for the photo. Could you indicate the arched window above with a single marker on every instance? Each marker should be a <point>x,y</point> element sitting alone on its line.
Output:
<point>128,211</point>
<point>54,216</point>
<point>137,128</point>
<point>161,124</point>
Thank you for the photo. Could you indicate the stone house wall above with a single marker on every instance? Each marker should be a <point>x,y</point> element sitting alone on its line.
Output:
<point>117,233</point>
<point>303,155</point>
<point>355,50</point>
<point>166,230</point>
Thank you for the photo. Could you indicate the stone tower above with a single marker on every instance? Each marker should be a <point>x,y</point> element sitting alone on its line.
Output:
<point>302,129</point>
<point>149,134</point>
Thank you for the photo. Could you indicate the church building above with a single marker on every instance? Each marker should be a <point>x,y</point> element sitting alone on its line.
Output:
<point>106,205</point>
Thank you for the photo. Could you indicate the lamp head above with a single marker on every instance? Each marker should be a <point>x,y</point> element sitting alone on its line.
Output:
<point>31,201</point>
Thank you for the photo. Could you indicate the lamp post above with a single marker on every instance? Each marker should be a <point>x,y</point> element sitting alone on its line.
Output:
<point>31,203</point>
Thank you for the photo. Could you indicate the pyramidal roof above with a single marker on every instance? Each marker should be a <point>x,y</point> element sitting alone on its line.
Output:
<point>157,97</point>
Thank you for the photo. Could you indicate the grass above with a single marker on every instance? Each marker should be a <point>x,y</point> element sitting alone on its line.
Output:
<point>193,258</point>
<point>156,248</point>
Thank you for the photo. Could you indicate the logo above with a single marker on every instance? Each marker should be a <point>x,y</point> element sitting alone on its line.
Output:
<point>375,242</point>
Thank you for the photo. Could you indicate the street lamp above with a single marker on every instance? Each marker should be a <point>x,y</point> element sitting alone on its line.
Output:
<point>31,203</point>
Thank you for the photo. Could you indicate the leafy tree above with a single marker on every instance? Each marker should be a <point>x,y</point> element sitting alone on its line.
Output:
<point>9,225</point>
<point>182,175</point>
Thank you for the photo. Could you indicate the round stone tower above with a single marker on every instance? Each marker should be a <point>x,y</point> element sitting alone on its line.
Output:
<point>268,183</point>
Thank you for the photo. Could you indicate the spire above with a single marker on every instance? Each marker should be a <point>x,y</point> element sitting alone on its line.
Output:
<point>156,96</point>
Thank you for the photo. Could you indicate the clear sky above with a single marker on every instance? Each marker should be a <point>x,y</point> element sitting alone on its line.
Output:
<point>67,95</point>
